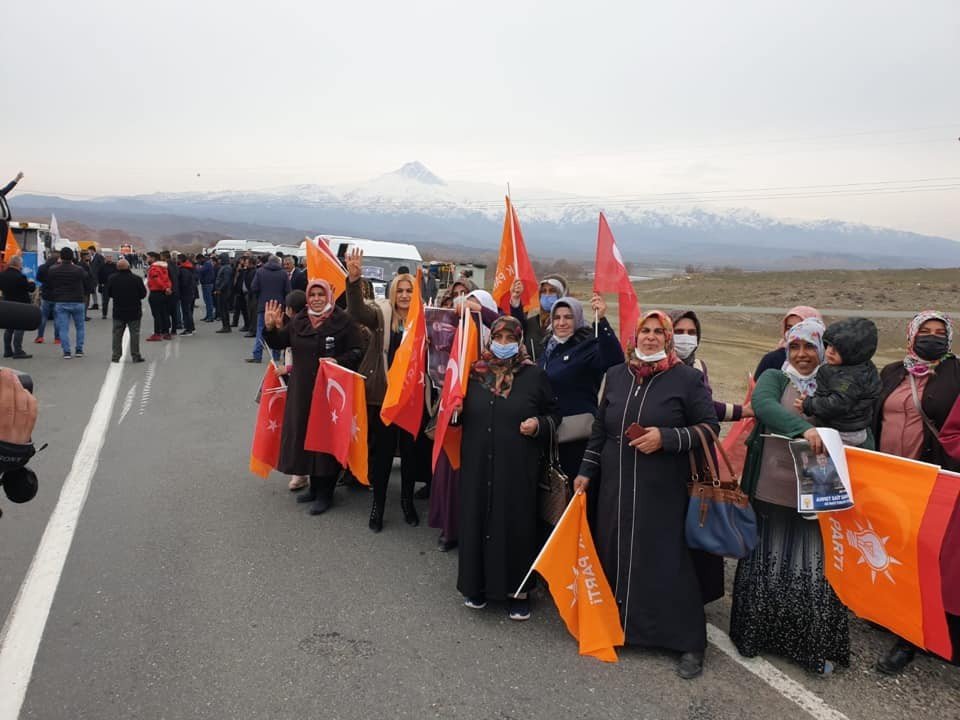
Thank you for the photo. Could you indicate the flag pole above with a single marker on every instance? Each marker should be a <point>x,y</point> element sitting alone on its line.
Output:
<point>513,237</point>
<point>547,543</point>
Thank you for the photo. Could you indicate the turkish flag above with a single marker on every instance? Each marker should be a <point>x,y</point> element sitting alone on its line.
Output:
<point>512,263</point>
<point>406,378</point>
<point>337,424</point>
<point>571,567</point>
<point>265,449</point>
<point>322,264</point>
<point>610,276</point>
<point>886,557</point>
<point>734,442</point>
<point>465,351</point>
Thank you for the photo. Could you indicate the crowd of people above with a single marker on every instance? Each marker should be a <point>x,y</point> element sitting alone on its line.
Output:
<point>563,368</point>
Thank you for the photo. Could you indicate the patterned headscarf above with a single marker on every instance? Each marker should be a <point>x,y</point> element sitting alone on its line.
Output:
<point>804,312</point>
<point>316,319</point>
<point>576,308</point>
<point>809,331</point>
<point>643,370</point>
<point>493,373</point>
<point>915,364</point>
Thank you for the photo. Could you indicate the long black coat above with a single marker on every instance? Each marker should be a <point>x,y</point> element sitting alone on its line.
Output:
<point>642,504</point>
<point>309,346</point>
<point>498,483</point>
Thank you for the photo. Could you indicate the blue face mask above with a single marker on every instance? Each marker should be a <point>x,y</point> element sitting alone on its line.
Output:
<point>547,302</point>
<point>504,351</point>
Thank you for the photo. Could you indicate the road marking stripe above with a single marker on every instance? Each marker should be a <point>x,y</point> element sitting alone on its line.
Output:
<point>128,402</point>
<point>23,630</point>
<point>147,386</point>
<point>775,678</point>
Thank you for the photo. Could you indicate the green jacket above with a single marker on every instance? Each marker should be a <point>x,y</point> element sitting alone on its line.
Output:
<point>772,419</point>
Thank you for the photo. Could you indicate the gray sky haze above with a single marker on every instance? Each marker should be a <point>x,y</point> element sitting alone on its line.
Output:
<point>599,99</point>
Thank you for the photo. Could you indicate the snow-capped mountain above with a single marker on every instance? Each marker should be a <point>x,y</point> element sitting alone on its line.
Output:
<point>415,205</point>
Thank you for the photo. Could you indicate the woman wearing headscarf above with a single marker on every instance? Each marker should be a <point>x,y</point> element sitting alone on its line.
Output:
<point>917,397</point>
<point>778,356</point>
<point>782,602</point>
<point>507,408</point>
<point>320,330</point>
<point>385,319</point>
<point>537,326</point>
<point>687,335</point>
<point>575,358</point>
<point>637,463</point>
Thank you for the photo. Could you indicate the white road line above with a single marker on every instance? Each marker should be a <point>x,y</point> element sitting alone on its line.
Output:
<point>176,348</point>
<point>128,402</point>
<point>166,352</point>
<point>23,630</point>
<point>147,387</point>
<point>774,677</point>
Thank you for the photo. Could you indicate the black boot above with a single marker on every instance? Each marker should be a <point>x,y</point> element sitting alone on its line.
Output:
<point>690,665</point>
<point>376,515</point>
<point>324,495</point>
<point>310,495</point>
<point>409,511</point>
<point>898,657</point>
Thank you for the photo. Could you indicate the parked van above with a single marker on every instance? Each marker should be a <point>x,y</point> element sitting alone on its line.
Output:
<point>381,259</point>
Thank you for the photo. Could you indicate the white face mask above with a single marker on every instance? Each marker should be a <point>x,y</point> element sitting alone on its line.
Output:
<point>656,357</point>
<point>685,345</point>
<point>563,340</point>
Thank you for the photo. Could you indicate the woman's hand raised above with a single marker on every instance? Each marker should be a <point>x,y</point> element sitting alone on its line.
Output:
<point>355,264</point>
<point>272,315</point>
<point>599,306</point>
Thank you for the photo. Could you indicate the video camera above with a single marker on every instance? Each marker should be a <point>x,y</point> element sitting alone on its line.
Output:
<point>19,482</point>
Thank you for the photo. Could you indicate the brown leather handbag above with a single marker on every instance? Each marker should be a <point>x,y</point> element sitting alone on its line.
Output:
<point>553,488</point>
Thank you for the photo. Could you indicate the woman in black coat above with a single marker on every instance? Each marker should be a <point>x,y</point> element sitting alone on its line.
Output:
<point>505,414</point>
<point>642,492</point>
<point>320,330</point>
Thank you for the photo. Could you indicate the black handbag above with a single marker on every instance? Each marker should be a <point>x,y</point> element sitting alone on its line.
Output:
<point>553,488</point>
<point>720,519</point>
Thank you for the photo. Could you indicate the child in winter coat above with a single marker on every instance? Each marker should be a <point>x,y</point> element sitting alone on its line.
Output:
<point>848,384</point>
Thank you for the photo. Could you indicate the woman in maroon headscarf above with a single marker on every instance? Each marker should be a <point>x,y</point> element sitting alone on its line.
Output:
<point>320,330</point>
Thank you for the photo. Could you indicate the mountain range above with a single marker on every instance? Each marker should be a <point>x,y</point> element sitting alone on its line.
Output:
<point>412,204</point>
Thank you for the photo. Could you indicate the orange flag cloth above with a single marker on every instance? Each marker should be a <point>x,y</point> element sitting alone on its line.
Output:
<point>12,248</point>
<point>338,418</point>
<point>512,263</point>
<point>569,564</point>
<point>882,556</point>
<point>322,264</point>
<point>265,450</point>
<point>404,401</point>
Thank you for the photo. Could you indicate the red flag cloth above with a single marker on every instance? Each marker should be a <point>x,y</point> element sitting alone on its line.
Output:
<point>265,449</point>
<point>512,263</point>
<point>734,442</point>
<point>464,353</point>
<point>884,556</point>
<point>404,401</point>
<point>610,276</point>
<point>338,418</point>
<point>571,567</point>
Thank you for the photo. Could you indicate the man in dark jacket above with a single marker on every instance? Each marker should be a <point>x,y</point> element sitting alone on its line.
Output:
<point>128,292</point>
<point>249,273</point>
<point>176,322</point>
<point>240,296</point>
<point>15,288</point>
<point>222,289</point>
<point>69,286</point>
<point>270,283</point>
<point>47,305</point>
<point>205,278</point>
<point>108,268</point>
<point>188,293</point>
<point>298,276</point>
<point>96,264</point>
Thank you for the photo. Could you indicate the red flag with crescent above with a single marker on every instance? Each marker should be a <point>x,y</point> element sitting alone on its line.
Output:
<point>265,449</point>
<point>338,418</point>
<point>610,276</point>
<point>466,350</point>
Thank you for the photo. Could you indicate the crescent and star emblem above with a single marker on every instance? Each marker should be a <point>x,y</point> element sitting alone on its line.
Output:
<point>334,385</point>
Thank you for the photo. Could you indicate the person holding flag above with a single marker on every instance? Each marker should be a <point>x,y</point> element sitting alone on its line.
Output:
<point>386,320</point>
<point>536,327</point>
<point>321,330</point>
<point>506,413</point>
<point>637,461</point>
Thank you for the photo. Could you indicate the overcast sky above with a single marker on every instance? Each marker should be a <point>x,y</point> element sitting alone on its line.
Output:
<point>598,98</point>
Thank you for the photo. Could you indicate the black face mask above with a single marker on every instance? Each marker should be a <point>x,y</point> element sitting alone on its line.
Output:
<point>930,347</point>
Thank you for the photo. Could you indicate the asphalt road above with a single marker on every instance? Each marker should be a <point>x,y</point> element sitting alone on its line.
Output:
<point>193,589</point>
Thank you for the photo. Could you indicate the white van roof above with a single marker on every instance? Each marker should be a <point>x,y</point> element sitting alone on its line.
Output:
<point>373,248</point>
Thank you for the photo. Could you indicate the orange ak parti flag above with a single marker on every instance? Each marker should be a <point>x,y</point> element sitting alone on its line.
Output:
<point>404,401</point>
<point>12,248</point>
<point>512,263</point>
<point>465,351</point>
<point>882,556</point>
<point>338,418</point>
<point>265,449</point>
<point>610,276</point>
<point>322,264</point>
<point>571,567</point>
